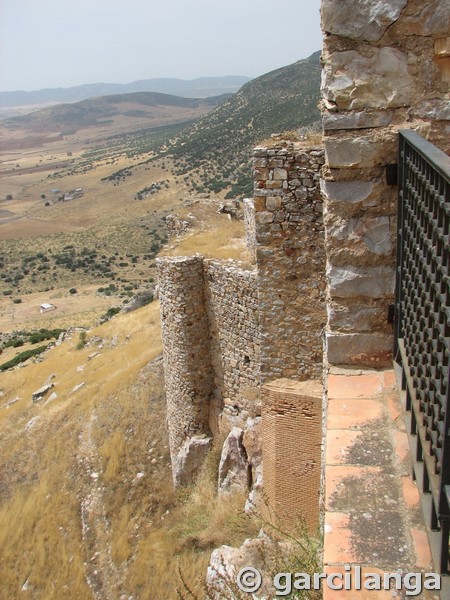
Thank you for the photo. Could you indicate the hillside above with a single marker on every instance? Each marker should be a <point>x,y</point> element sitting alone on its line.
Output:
<point>118,112</point>
<point>87,508</point>
<point>201,87</point>
<point>216,149</point>
<point>102,239</point>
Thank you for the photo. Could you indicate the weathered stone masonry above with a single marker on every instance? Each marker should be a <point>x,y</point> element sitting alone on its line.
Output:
<point>290,259</point>
<point>187,363</point>
<point>245,328</point>
<point>385,68</point>
<point>211,345</point>
<point>232,305</point>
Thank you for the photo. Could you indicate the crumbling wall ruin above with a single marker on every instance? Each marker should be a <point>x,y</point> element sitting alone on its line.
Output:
<point>188,371</point>
<point>211,344</point>
<point>385,68</point>
<point>251,327</point>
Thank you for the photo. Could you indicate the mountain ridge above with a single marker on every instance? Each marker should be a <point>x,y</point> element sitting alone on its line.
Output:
<point>207,86</point>
<point>218,145</point>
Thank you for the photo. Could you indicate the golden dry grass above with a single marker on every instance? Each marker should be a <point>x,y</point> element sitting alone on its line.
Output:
<point>221,242</point>
<point>86,489</point>
<point>213,235</point>
<point>86,499</point>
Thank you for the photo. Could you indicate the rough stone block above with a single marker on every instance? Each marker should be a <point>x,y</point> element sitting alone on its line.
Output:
<point>359,151</point>
<point>347,191</point>
<point>364,349</point>
<point>264,217</point>
<point>371,282</point>
<point>357,235</point>
<point>356,82</point>
<point>436,110</point>
<point>432,18</point>
<point>357,120</point>
<point>280,174</point>
<point>350,152</point>
<point>259,202</point>
<point>356,319</point>
<point>260,173</point>
<point>360,20</point>
<point>273,203</point>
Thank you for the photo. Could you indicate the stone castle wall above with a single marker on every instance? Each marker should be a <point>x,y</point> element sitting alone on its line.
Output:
<point>210,339</point>
<point>290,259</point>
<point>188,371</point>
<point>250,226</point>
<point>385,68</point>
<point>227,330</point>
<point>232,306</point>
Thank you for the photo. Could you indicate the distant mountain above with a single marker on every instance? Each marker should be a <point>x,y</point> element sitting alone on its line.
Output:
<point>218,145</point>
<point>146,109</point>
<point>195,88</point>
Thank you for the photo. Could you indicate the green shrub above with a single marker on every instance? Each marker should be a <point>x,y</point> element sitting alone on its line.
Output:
<point>82,340</point>
<point>22,357</point>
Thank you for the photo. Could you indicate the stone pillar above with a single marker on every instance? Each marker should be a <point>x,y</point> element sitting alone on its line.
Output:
<point>384,69</point>
<point>290,260</point>
<point>187,362</point>
<point>291,450</point>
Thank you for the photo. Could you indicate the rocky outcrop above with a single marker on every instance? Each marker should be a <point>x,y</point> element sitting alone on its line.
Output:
<point>226,562</point>
<point>234,468</point>
<point>190,459</point>
<point>40,394</point>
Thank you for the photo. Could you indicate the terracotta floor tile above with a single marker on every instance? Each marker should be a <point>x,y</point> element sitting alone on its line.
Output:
<point>348,413</point>
<point>349,487</point>
<point>390,381</point>
<point>353,594</point>
<point>401,447</point>
<point>337,541</point>
<point>339,443</point>
<point>354,386</point>
<point>410,492</point>
<point>422,549</point>
<point>393,405</point>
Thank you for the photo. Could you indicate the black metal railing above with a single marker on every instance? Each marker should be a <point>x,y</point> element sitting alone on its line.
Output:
<point>422,325</point>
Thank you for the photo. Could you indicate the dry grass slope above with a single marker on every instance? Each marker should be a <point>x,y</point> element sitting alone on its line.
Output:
<point>86,502</point>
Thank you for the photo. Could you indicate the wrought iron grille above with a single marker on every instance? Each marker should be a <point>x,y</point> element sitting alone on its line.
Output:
<point>422,324</point>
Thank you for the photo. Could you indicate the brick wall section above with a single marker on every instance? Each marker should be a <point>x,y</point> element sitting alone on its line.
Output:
<point>291,446</point>
<point>210,340</point>
<point>290,260</point>
<point>386,68</point>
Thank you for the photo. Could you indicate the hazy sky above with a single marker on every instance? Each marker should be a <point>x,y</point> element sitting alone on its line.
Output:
<point>61,43</point>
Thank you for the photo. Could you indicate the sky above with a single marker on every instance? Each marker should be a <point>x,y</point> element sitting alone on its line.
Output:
<point>63,43</point>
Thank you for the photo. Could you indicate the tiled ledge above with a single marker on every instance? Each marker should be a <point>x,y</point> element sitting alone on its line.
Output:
<point>372,513</point>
